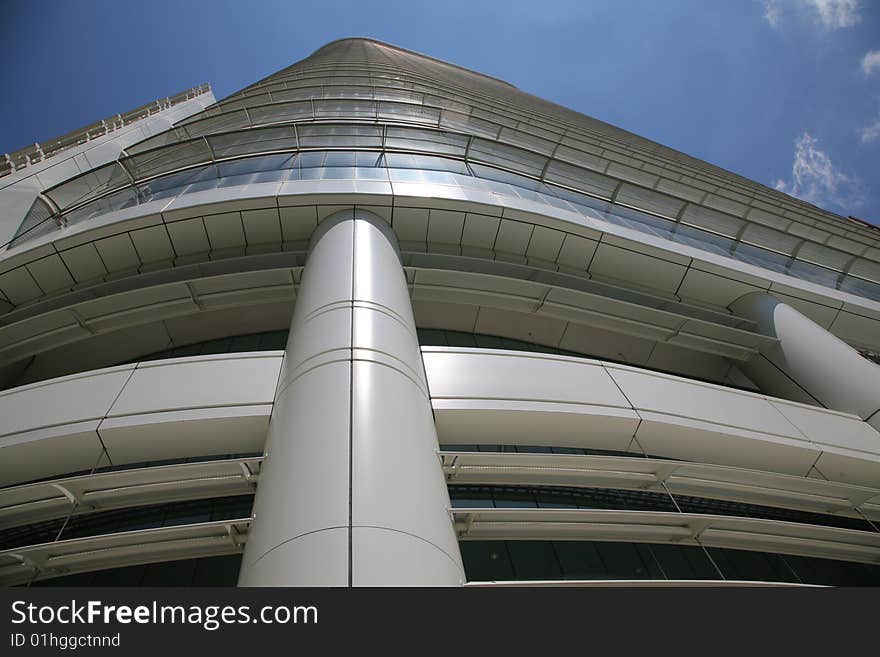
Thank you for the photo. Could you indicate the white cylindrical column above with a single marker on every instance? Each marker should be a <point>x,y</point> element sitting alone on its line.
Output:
<point>352,492</point>
<point>808,363</point>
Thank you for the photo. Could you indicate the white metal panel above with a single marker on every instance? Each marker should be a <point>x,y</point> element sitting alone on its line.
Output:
<point>676,397</point>
<point>118,252</point>
<point>381,557</point>
<point>830,428</point>
<point>189,236</point>
<point>576,252</point>
<point>513,236</point>
<point>410,224</point>
<point>201,381</point>
<point>643,270</point>
<point>224,230</point>
<point>157,436</point>
<point>479,230</point>
<point>297,223</point>
<point>445,226</point>
<point>84,262</point>
<point>262,226</point>
<point>491,374</point>
<point>48,451</point>
<point>69,399</point>
<point>152,244</point>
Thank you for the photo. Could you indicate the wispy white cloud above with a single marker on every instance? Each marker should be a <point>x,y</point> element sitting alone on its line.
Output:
<point>772,12</point>
<point>830,14</point>
<point>837,13</point>
<point>870,133</point>
<point>871,62</point>
<point>815,179</point>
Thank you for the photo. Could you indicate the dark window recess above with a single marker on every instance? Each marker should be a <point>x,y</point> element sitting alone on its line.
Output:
<point>276,340</point>
<point>129,519</point>
<point>502,561</point>
<point>871,355</point>
<point>487,561</point>
<point>207,571</point>
<point>631,500</point>
<point>268,341</point>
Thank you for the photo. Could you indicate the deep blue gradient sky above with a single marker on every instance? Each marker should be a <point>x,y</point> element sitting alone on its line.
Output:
<point>776,90</point>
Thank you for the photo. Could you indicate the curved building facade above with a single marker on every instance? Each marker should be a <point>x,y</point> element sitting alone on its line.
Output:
<point>380,320</point>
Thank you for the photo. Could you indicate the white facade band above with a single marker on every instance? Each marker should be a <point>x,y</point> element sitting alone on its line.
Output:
<point>352,492</point>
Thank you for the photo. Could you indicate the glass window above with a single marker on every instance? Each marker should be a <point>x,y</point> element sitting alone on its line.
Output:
<point>623,561</point>
<point>581,560</point>
<point>761,257</point>
<point>340,159</point>
<point>338,173</point>
<point>362,173</point>
<point>255,164</point>
<point>534,560</point>
<point>860,287</point>
<point>310,160</point>
<point>486,561</point>
<point>174,184</point>
<point>683,562</point>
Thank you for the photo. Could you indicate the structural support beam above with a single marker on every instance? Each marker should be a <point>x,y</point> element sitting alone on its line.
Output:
<point>352,492</point>
<point>808,363</point>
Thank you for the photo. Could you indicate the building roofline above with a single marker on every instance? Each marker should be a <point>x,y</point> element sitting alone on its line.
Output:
<point>39,151</point>
<point>417,54</point>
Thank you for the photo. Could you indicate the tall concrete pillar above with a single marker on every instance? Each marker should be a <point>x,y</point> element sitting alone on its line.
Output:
<point>808,363</point>
<point>352,492</point>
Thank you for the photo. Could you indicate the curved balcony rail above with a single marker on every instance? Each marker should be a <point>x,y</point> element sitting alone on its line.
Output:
<point>221,403</point>
<point>78,555</point>
<point>663,476</point>
<point>186,407</point>
<point>472,477</point>
<point>668,527</point>
<point>434,277</point>
<point>581,138</point>
<point>397,153</point>
<point>72,556</point>
<point>491,397</point>
<point>378,81</point>
<point>56,498</point>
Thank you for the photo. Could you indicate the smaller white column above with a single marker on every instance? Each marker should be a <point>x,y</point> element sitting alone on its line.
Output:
<point>809,364</point>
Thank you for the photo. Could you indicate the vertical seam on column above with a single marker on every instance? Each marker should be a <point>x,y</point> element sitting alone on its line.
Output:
<point>351,407</point>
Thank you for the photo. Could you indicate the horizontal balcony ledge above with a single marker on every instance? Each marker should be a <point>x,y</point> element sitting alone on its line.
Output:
<point>668,527</point>
<point>659,475</point>
<point>79,555</point>
<point>55,498</point>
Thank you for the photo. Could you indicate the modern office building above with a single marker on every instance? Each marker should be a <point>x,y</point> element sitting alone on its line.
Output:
<point>380,320</point>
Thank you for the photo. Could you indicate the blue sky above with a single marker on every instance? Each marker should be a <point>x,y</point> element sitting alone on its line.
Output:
<point>785,92</point>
